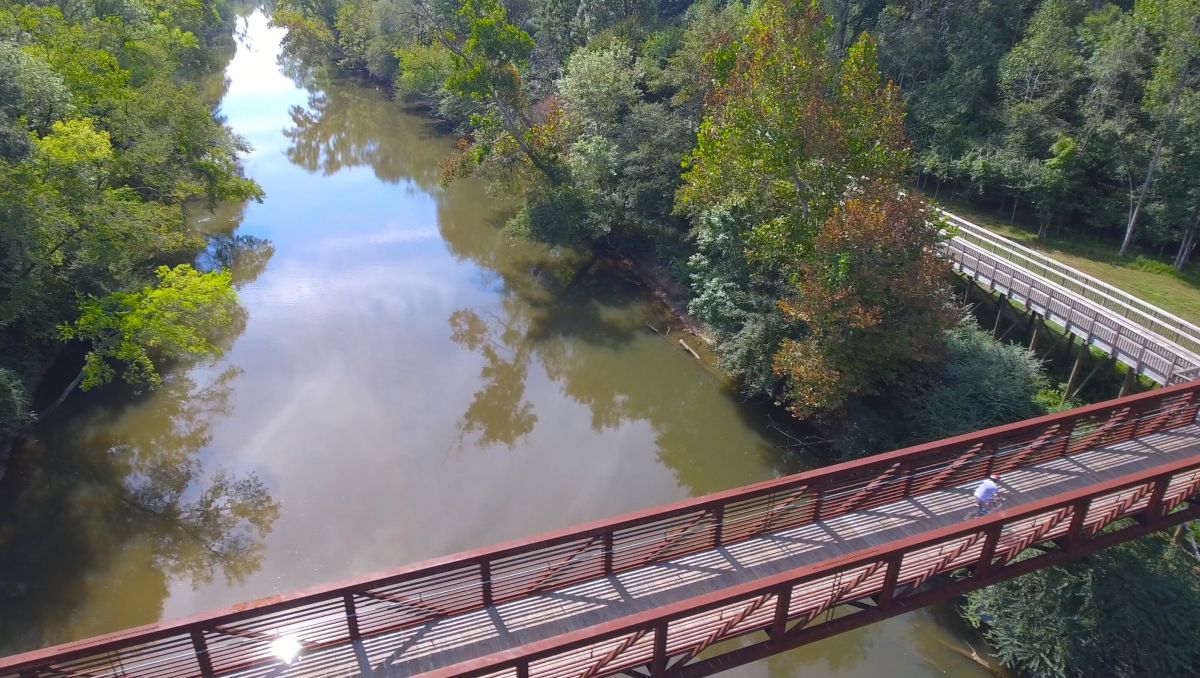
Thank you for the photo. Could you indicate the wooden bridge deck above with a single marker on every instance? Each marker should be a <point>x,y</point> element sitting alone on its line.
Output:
<point>444,642</point>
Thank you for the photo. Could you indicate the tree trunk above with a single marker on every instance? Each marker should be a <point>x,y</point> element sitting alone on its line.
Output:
<point>1149,180</point>
<point>62,397</point>
<point>842,19</point>
<point>1012,217</point>
<point>1188,243</point>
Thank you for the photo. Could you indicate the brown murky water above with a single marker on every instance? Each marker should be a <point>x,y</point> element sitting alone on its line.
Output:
<point>407,383</point>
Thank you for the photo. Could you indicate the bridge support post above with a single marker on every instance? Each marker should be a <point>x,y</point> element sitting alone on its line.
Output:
<point>1074,378</point>
<point>1037,331</point>
<point>999,313</point>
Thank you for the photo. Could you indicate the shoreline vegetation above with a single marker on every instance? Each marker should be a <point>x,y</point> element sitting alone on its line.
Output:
<point>750,157</point>
<point>107,140</point>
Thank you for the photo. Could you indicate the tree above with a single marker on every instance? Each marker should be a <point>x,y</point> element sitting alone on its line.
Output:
<point>873,298</point>
<point>183,315</point>
<point>806,156</point>
<point>1176,23</point>
<point>488,55</point>
<point>981,383</point>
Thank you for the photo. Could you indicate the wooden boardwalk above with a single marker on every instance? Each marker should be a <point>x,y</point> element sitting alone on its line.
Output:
<point>449,641</point>
<point>1152,342</point>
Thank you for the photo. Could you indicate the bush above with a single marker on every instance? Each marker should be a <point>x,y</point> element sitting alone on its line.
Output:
<point>982,383</point>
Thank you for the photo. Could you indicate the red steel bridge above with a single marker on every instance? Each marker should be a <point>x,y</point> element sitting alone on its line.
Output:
<point>658,593</point>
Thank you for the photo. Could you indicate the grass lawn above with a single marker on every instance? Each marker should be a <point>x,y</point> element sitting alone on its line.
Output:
<point>1143,275</point>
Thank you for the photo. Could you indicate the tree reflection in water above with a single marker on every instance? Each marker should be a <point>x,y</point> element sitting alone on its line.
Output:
<point>110,502</point>
<point>499,412</point>
<point>91,539</point>
<point>345,126</point>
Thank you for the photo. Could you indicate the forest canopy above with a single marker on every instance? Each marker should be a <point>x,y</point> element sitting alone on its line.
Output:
<point>105,139</point>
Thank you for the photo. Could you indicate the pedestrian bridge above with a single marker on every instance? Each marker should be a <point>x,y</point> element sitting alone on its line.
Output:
<point>657,593</point>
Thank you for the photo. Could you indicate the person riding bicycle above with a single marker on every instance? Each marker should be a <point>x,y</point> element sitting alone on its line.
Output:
<point>985,494</point>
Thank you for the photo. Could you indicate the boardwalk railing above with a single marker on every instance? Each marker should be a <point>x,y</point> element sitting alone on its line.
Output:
<point>244,638</point>
<point>1158,321</point>
<point>1117,329</point>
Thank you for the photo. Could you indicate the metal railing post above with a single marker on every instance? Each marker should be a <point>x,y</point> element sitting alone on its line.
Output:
<point>485,578</point>
<point>1154,509</point>
<point>607,545</point>
<point>658,665</point>
<point>783,601</point>
<point>718,525</point>
<point>200,645</point>
<point>887,594</point>
<point>351,616</point>
<point>984,566</point>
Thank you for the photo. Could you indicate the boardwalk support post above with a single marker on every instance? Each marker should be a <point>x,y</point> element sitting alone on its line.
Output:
<point>1037,332</point>
<point>999,313</point>
<point>1127,383</point>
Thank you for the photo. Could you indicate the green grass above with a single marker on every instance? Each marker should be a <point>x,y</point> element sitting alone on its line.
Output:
<point>1143,275</point>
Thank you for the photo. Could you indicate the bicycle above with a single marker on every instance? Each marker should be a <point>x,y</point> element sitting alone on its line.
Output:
<point>997,503</point>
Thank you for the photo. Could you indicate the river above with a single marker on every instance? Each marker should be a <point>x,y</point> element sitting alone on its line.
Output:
<point>405,382</point>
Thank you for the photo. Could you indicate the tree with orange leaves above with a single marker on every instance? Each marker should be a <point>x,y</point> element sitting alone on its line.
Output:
<point>872,297</point>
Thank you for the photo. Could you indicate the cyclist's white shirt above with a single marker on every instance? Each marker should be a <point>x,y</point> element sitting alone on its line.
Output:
<point>986,490</point>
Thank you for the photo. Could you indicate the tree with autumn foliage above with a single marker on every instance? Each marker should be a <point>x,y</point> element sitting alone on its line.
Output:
<point>871,296</point>
<point>802,159</point>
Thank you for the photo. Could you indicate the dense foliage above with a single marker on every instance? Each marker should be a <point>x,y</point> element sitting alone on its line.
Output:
<point>757,151</point>
<point>1131,610</point>
<point>105,137</point>
<point>813,270</point>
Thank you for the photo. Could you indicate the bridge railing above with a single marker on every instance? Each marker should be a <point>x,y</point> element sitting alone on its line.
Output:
<point>1148,353</point>
<point>881,581</point>
<point>243,637</point>
<point>1158,321</point>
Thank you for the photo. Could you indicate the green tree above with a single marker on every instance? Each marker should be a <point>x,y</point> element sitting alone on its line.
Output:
<point>981,383</point>
<point>183,315</point>
<point>1176,25</point>
<point>488,55</point>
